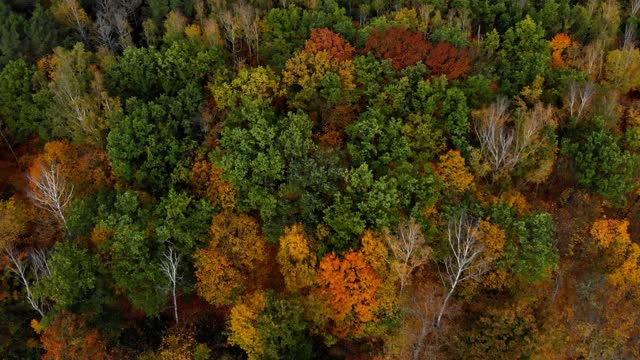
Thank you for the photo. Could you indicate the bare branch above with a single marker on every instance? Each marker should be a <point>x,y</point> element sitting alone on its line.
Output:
<point>51,192</point>
<point>463,263</point>
<point>408,249</point>
<point>169,266</point>
<point>20,269</point>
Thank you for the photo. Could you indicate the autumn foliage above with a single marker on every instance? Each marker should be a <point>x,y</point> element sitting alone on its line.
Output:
<point>350,287</point>
<point>559,43</point>
<point>406,48</point>
<point>334,44</point>
<point>69,338</point>
<point>403,47</point>
<point>445,59</point>
<point>87,168</point>
<point>207,181</point>
<point>244,325</point>
<point>234,259</point>
<point>621,255</point>
<point>296,258</point>
<point>451,169</point>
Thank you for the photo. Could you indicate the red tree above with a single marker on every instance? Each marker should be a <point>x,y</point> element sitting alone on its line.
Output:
<point>326,40</point>
<point>403,47</point>
<point>445,59</point>
<point>68,337</point>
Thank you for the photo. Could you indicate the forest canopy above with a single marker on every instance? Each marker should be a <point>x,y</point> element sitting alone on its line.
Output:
<point>319,179</point>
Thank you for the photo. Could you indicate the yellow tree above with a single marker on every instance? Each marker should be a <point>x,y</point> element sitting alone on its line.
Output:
<point>309,77</point>
<point>71,14</point>
<point>13,223</point>
<point>451,169</point>
<point>243,323</point>
<point>208,182</point>
<point>622,256</point>
<point>234,261</point>
<point>297,260</point>
<point>622,69</point>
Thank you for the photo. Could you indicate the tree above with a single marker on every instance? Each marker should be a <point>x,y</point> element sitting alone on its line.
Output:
<point>579,97</point>
<point>208,182</point>
<point>523,55</point>
<point>622,69</point>
<point>559,43</point>
<point>258,85</point>
<point>180,344</point>
<point>37,302</point>
<point>69,337</point>
<point>152,142</point>
<point>296,258</point>
<point>14,223</point>
<point>71,14</point>
<point>602,166</point>
<point>403,47</point>
<point>112,26</point>
<point>349,286</point>
<point>504,147</point>
<point>408,249</point>
<point>326,40</point>
<point>230,265</point>
<point>81,104</point>
<point>464,263</point>
<point>310,77</point>
<point>169,266</point>
<point>133,256</point>
<point>18,112</point>
<point>243,325</point>
<point>49,190</point>
<point>284,327</point>
<point>74,280</point>
<point>445,59</point>
<point>451,169</point>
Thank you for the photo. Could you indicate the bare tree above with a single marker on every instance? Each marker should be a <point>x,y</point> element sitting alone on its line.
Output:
<point>635,6</point>
<point>578,97</point>
<point>232,33</point>
<point>20,268</point>
<point>169,266</point>
<point>463,263</point>
<point>50,191</point>
<point>498,142</point>
<point>629,36</point>
<point>586,92</point>
<point>594,58</point>
<point>408,249</point>
<point>249,22</point>
<point>423,308</point>
<point>112,26</point>
<point>505,143</point>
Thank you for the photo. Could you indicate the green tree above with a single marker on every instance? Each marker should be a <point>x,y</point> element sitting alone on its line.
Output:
<point>524,54</point>
<point>75,281</point>
<point>182,221</point>
<point>285,329</point>
<point>603,166</point>
<point>151,144</point>
<point>18,112</point>
<point>133,261</point>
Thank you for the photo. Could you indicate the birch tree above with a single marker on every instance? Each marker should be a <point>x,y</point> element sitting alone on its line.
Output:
<point>50,191</point>
<point>463,263</point>
<point>504,142</point>
<point>169,266</point>
<point>408,250</point>
<point>40,269</point>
